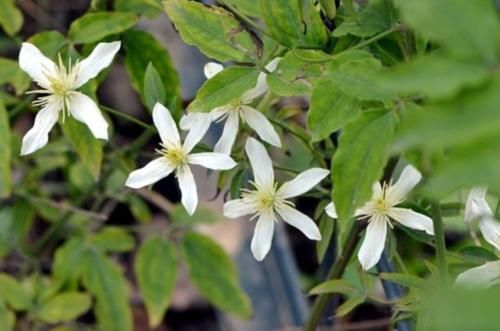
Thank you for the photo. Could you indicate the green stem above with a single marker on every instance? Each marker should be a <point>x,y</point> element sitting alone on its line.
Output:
<point>440,242</point>
<point>335,273</point>
<point>377,37</point>
<point>128,117</point>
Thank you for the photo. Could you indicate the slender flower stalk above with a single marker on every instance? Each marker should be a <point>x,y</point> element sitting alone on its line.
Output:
<point>59,84</point>
<point>237,110</point>
<point>176,156</point>
<point>267,201</point>
<point>381,209</point>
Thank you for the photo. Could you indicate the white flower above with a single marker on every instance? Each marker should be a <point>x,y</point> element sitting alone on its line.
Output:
<point>484,276</point>
<point>239,109</point>
<point>177,157</point>
<point>477,210</point>
<point>268,201</point>
<point>381,209</point>
<point>60,85</point>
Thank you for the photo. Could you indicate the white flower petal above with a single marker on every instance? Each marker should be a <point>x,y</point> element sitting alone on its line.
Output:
<point>215,161</point>
<point>219,112</point>
<point>412,219</point>
<point>188,121</point>
<point>237,208</point>
<point>36,65</point>
<point>212,68</point>
<point>38,135</point>
<point>483,276</point>
<point>226,140</point>
<point>490,229</point>
<point>374,242</point>
<point>262,236</point>
<point>304,182</point>
<point>261,86</point>
<point>150,173</point>
<point>100,58</point>
<point>85,110</point>
<point>408,179</point>
<point>300,221</point>
<point>261,163</point>
<point>166,125</point>
<point>257,121</point>
<point>331,210</point>
<point>188,189</point>
<point>476,205</point>
<point>196,133</point>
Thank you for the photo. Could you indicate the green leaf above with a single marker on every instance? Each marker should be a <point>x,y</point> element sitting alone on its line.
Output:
<point>358,163</point>
<point>349,305</point>
<point>330,110</point>
<point>156,272</point>
<point>215,31</point>
<point>93,27</point>
<point>376,17</point>
<point>214,274</point>
<point>149,8</point>
<point>326,227</point>
<point>11,73</point>
<point>113,239</point>
<point>294,24</point>
<point>11,18</point>
<point>296,73</point>
<point>7,318</point>
<point>434,76</point>
<point>88,148</point>
<point>63,307</point>
<point>49,42</point>
<point>154,90</point>
<point>139,209</point>
<point>5,152</point>
<point>136,60</point>
<point>475,163</point>
<point>406,280</point>
<point>245,7</point>
<point>12,292</point>
<point>68,263</point>
<point>335,286</point>
<point>224,88</point>
<point>449,22</point>
<point>105,281</point>
<point>477,253</point>
<point>472,114</point>
<point>357,76</point>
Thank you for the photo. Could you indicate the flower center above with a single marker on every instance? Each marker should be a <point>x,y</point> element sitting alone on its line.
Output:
<point>174,154</point>
<point>265,200</point>
<point>381,206</point>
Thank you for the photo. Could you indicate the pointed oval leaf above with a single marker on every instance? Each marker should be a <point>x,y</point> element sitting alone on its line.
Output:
<point>156,272</point>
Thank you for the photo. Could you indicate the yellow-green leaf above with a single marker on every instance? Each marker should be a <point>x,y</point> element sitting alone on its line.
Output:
<point>64,307</point>
<point>156,272</point>
<point>12,292</point>
<point>215,31</point>
<point>93,27</point>
<point>214,274</point>
<point>5,152</point>
<point>11,18</point>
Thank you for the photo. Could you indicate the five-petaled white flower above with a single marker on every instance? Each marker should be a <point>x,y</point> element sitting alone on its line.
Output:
<point>232,113</point>
<point>60,85</point>
<point>478,211</point>
<point>177,157</point>
<point>267,200</point>
<point>381,209</point>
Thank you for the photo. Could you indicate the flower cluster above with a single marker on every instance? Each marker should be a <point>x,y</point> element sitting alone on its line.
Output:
<point>267,201</point>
